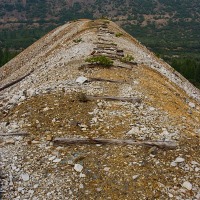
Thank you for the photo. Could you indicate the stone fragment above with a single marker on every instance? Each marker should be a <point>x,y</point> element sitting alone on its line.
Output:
<point>19,189</point>
<point>99,189</point>
<point>171,195</point>
<point>81,79</point>
<point>10,141</point>
<point>179,160</point>
<point>134,130</point>
<point>57,160</point>
<point>14,99</point>
<point>187,185</point>
<point>151,108</point>
<point>78,167</point>
<point>35,142</point>
<point>106,169</point>
<point>30,92</point>
<point>35,186</point>
<point>197,169</point>
<point>82,175</point>
<point>14,126</point>
<point>135,176</point>
<point>31,192</point>
<point>25,177</point>
<point>49,138</point>
<point>52,158</point>
<point>46,109</point>
<point>194,163</point>
<point>192,105</point>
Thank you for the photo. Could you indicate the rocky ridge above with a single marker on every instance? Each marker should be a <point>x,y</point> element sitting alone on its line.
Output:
<point>48,104</point>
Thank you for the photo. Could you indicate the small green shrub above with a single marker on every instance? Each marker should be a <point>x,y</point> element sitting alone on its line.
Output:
<point>77,40</point>
<point>118,34</point>
<point>100,60</point>
<point>127,58</point>
<point>104,18</point>
<point>82,97</point>
<point>114,44</point>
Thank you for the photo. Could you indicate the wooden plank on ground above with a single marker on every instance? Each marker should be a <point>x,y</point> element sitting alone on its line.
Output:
<point>15,81</point>
<point>112,98</point>
<point>14,134</point>
<point>105,80</point>
<point>82,141</point>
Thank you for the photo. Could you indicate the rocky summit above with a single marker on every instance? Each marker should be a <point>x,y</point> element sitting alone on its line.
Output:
<point>87,112</point>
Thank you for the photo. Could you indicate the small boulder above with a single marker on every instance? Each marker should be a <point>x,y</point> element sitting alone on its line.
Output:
<point>192,105</point>
<point>78,167</point>
<point>25,177</point>
<point>81,80</point>
<point>187,185</point>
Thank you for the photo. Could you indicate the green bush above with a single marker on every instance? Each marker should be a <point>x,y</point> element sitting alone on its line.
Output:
<point>77,40</point>
<point>100,60</point>
<point>127,58</point>
<point>82,97</point>
<point>118,34</point>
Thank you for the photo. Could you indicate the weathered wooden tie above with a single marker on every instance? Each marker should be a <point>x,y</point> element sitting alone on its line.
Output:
<point>105,80</point>
<point>80,141</point>
<point>111,98</point>
<point>14,134</point>
<point>15,81</point>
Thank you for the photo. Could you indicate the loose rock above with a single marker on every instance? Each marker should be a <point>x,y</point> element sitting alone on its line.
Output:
<point>187,185</point>
<point>78,167</point>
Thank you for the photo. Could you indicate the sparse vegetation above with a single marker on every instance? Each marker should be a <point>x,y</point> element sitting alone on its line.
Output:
<point>77,40</point>
<point>118,34</point>
<point>6,55</point>
<point>127,58</point>
<point>114,44</point>
<point>100,60</point>
<point>82,97</point>
<point>106,21</point>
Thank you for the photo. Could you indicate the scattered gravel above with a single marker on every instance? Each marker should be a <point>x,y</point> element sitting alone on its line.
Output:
<point>47,104</point>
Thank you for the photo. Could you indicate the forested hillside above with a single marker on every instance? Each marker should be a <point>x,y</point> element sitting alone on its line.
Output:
<point>170,28</point>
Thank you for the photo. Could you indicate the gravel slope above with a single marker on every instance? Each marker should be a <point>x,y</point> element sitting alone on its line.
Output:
<point>49,103</point>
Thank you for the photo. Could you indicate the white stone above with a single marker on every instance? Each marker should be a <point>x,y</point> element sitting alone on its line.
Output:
<point>171,195</point>
<point>52,157</point>
<point>10,141</point>
<point>192,105</point>
<point>81,79</point>
<point>194,163</point>
<point>35,186</point>
<point>25,177</point>
<point>134,130</point>
<point>14,126</point>
<point>81,186</point>
<point>35,142</point>
<point>135,176</point>
<point>30,92</point>
<point>94,120</point>
<point>99,189</point>
<point>14,99</point>
<point>106,169</point>
<point>78,167</point>
<point>46,109</point>
<point>187,185</point>
<point>82,175</point>
<point>22,98</point>
<point>197,169</point>
<point>19,189</point>
<point>151,108</point>
<point>179,160</point>
<point>173,164</point>
<point>57,160</point>
<point>31,192</point>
